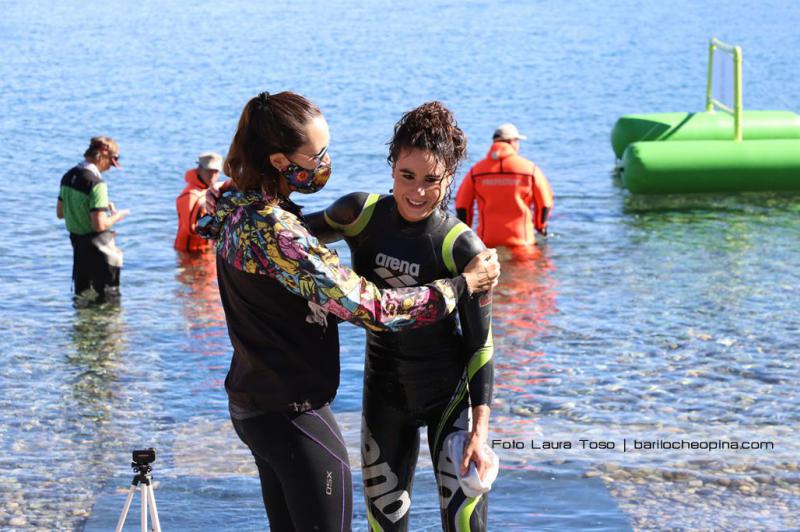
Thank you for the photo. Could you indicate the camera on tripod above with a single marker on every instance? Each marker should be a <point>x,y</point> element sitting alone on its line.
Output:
<point>144,456</point>
<point>142,479</point>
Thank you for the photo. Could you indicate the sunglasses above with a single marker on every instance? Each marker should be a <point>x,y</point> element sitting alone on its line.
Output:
<point>316,159</point>
<point>114,157</point>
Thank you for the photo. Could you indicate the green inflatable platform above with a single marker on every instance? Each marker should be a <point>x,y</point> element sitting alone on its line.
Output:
<point>712,166</point>
<point>721,149</point>
<point>714,125</point>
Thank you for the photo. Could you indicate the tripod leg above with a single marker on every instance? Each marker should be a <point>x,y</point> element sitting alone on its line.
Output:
<point>153,509</point>
<point>144,507</point>
<point>125,508</point>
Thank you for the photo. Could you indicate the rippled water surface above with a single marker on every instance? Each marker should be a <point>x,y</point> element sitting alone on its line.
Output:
<point>640,320</point>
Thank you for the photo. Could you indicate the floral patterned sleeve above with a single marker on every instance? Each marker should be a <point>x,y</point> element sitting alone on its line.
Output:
<point>273,241</point>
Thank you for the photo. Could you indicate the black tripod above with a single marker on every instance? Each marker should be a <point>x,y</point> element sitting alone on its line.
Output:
<point>142,478</point>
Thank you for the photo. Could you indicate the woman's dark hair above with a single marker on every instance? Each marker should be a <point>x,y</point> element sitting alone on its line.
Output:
<point>431,127</point>
<point>270,123</point>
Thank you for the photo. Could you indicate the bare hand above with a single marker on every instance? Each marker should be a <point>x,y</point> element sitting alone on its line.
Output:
<point>475,451</point>
<point>475,448</point>
<point>122,214</point>
<point>482,271</point>
<point>214,192</point>
<point>111,207</point>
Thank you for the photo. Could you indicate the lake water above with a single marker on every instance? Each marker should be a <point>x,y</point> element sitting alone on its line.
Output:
<point>641,319</point>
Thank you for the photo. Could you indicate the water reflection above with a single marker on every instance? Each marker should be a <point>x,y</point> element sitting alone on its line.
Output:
<point>526,296</point>
<point>204,318</point>
<point>198,293</point>
<point>98,338</point>
<point>743,203</point>
<point>67,437</point>
<point>523,303</point>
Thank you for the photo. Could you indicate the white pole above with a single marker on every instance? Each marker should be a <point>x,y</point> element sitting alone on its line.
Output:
<point>144,507</point>
<point>125,509</point>
<point>154,510</point>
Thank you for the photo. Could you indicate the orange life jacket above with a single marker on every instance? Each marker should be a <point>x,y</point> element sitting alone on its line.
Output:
<point>506,187</point>
<point>190,209</point>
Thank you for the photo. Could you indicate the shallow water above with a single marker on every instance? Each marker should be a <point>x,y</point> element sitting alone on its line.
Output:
<point>669,318</point>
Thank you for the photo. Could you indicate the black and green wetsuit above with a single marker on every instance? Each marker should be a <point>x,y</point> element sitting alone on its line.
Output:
<point>425,377</point>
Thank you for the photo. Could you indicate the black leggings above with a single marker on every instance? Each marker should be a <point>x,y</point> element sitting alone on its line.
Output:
<point>389,451</point>
<point>90,268</point>
<point>304,470</point>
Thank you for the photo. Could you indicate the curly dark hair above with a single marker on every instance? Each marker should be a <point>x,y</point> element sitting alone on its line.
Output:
<point>431,127</point>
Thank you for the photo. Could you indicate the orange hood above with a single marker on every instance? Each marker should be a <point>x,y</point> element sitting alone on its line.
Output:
<point>500,150</point>
<point>193,179</point>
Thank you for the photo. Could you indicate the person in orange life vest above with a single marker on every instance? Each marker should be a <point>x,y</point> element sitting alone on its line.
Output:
<point>513,196</point>
<point>191,204</point>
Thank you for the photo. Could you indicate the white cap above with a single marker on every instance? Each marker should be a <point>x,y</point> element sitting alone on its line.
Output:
<point>508,132</point>
<point>209,160</point>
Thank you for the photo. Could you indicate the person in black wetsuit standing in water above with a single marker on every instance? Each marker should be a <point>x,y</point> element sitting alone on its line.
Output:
<point>436,376</point>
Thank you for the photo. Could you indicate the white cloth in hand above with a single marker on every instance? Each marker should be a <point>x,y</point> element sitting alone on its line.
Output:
<point>471,484</point>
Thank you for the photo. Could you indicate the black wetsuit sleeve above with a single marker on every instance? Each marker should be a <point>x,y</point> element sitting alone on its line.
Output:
<point>543,221</point>
<point>331,224</point>
<point>475,315</point>
<point>319,227</point>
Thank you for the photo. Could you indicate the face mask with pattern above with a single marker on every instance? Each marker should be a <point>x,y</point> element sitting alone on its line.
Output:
<point>306,181</point>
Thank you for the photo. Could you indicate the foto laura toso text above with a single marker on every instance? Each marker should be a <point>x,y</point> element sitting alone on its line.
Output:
<point>632,444</point>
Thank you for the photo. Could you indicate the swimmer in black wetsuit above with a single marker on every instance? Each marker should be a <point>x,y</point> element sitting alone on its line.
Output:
<point>435,376</point>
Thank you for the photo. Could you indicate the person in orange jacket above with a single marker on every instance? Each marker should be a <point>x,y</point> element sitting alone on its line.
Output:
<point>513,196</point>
<point>191,204</point>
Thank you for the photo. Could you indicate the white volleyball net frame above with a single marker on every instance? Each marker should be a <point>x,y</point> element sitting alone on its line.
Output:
<point>724,88</point>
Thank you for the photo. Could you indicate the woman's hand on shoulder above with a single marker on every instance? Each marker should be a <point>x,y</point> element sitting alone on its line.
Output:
<point>482,271</point>
<point>214,192</point>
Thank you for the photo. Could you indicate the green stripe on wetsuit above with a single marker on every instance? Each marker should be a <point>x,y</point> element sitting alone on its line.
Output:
<point>461,391</point>
<point>485,353</point>
<point>374,526</point>
<point>358,225</point>
<point>465,513</point>
<point>482,356</point>
<point>448,244</point>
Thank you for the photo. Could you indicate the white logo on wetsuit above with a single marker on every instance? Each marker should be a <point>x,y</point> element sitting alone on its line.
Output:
<point>396,272</point>
<point>447,470</point>
<point>379,480</point>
